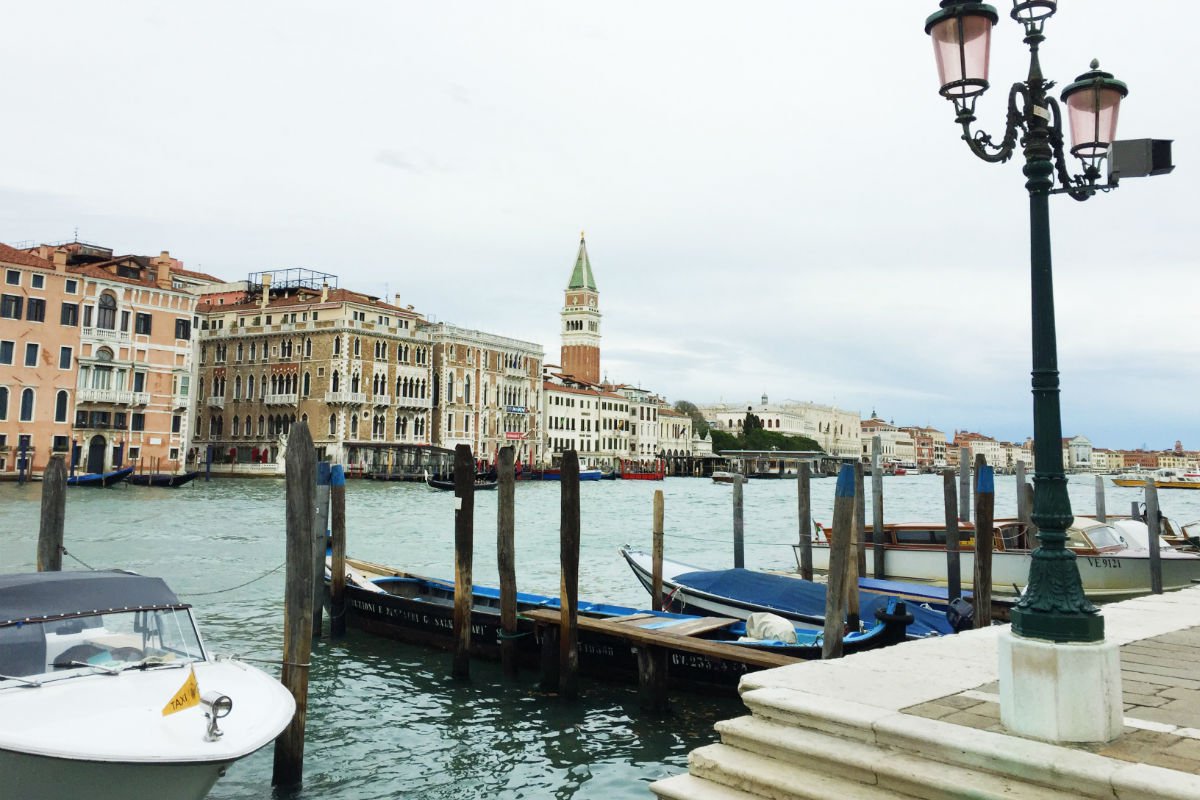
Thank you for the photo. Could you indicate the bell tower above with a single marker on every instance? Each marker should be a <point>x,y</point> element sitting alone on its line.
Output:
<point>580,355</point>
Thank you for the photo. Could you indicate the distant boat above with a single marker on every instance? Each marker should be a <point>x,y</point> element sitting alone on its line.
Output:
<point>163,480</point>
<point>481,484</point>
<point>100,478</point>
<point>726,477</point>
<point>640,471</point>
<point>588,474</point>
<point>1163,479</point>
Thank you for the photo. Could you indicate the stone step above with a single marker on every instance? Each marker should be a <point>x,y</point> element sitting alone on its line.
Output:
<point>1024,761</point>
<point>896,771</point>
<point>689,787</point>
<point>763,777</point>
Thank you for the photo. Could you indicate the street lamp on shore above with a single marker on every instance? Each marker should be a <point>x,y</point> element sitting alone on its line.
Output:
<point>1053,606</point>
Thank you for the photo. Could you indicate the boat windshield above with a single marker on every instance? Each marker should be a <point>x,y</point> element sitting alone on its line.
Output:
<point>1104,536</point>
<point>112,642</point>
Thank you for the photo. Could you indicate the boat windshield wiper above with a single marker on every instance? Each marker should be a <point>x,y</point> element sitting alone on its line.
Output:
<point>153,662</point>
<point>25,681</point>
<point>103,668</point>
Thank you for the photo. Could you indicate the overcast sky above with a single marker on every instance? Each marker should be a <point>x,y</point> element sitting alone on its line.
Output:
<point>775,197</point>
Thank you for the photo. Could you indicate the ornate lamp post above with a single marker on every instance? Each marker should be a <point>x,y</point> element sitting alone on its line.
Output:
<point>1053,607</point>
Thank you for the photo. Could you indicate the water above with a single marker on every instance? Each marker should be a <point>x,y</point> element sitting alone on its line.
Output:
<point>385,720</point>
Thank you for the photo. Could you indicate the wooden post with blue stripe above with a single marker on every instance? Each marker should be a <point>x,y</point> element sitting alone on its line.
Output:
<point>839,554</point>
<point>953,566</point>
<point>985,510</point>
<point>464,553</point>
<point>568,642</point>
<point>337,567</point>
<point>506,559</point>
<point>320,542</point>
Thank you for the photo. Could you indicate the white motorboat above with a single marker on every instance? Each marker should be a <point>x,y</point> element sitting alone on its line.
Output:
<point>1109,567</point>
<point>107,692</point>
<point>719,476</point>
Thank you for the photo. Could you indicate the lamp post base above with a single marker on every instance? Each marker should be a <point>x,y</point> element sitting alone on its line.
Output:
<point>1060,692</point>
<point>1057,626</point>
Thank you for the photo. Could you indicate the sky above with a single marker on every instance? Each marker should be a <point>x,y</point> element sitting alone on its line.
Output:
<point>776,199</point>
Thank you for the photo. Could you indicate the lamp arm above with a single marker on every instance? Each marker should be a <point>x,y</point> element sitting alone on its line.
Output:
<point>981,143</point>
<point>1078,187</point>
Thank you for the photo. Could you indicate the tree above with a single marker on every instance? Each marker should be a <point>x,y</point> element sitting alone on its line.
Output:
<point>752,423</point>
<point>699,423</point>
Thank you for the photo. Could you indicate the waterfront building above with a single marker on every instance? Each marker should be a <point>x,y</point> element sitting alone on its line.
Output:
<point>134,359</point>
<point>1106,461</point>
<point>1078,454</point>
<point>288,345</point>
<point>930,446</point>
<point>39,340</point>
<point>978,443</point>
<point>835,430</point>
<point>487,392</point>
<point>896,445</point>
<point>586,418</point>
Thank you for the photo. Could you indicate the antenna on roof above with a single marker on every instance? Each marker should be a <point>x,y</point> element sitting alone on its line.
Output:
<point>76,233</point>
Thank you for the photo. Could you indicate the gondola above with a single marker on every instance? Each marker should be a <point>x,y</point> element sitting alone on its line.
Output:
<point>482,483</point>
<point>100,479</point>
<point>163,480</point>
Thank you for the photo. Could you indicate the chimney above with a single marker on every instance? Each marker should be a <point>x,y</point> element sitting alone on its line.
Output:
<point>324,292</point>
<point>59,257</point>
<point>266,290</point>
<point>162,276</point>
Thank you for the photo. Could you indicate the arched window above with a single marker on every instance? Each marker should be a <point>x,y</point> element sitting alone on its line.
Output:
<point>333,381</point>
<point>250,388</point>
<point>467,389</point>
<point>60,407</point>
<point>354,426</point>
<point>106,312</point>
<point>262,425</point>
<point>237,387</point>
<point>337,345</point>
<point>357,347</point>
<point>307,347</point>
<point>3,403</point>
<point>249,430</point>
<point>237,425</point>
<point>354,381</point>
<point>27,397</point>
<point>333,424</point>
<point>307,384</point>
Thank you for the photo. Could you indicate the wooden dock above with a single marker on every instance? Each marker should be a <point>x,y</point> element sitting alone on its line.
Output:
<point>661,644</point>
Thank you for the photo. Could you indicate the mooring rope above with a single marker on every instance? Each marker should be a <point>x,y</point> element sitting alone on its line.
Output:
<point>80,560</point>
<point>239,586</point>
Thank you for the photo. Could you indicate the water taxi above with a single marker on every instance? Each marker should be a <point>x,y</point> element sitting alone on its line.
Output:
<point>1163,479</point>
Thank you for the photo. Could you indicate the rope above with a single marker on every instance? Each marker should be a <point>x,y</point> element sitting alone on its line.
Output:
<point>502,635</point>
<point>239,586</point>
<point>80,560</point>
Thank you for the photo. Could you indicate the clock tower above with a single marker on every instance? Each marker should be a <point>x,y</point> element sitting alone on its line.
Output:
<point>580,356</point>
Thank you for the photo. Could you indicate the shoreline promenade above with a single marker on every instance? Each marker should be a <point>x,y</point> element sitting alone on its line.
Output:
<point>922,720</point>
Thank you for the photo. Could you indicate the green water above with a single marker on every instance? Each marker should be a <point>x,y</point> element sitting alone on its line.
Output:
<point>385,720</point>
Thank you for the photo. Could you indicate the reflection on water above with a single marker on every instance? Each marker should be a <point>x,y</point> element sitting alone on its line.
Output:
<point>385,720</point>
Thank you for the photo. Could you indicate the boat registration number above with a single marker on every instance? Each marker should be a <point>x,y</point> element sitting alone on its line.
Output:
<point>1109,563</point>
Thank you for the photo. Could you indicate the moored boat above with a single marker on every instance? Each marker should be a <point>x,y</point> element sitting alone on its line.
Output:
<point>482,483</point>
<point>162,479</point>
<point>420,610</point>
<point>654,470</point>
<point>586,474</point>
<point>741,592</point>
<point>1163,479</point>
<point>107,691</point>
<point>100,479</point>
<point>1108,567</point>
<point>727,477</point>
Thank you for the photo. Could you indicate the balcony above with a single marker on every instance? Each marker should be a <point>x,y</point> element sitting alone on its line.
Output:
<point>381,400</point>
<point>413,402</point>
<point>179,401</point>
<point>216,402</point>
<point>116,396</point>
<point>346,398</point>
<point>105,335</point>
<point>139,399</point>
<point>281,399</point>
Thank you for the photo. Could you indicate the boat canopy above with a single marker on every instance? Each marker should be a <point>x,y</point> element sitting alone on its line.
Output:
<point>784,593</point>
<point>44,596</point>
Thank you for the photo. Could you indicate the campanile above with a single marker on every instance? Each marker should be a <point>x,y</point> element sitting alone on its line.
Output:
<point>580,356</point>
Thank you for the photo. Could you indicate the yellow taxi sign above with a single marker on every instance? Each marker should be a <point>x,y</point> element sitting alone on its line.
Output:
<point>187,696</point>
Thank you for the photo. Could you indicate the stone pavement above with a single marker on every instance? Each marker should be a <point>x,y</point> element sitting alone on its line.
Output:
<point>1160,684</point>
<point>921,720</point>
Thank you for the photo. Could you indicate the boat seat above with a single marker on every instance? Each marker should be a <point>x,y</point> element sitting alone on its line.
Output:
<point>22,650</point>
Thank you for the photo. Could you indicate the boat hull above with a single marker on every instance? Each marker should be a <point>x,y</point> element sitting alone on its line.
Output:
<point>1158,484</point>
<point>33,777</point>
<point>162,480</point>
<point>1105,577</point>
<point>100,480</point>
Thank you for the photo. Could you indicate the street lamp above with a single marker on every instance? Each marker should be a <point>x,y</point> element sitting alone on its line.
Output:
<point>1053,606</point>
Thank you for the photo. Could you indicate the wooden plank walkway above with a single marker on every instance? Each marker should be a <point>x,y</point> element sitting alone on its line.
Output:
<point>670,638</point>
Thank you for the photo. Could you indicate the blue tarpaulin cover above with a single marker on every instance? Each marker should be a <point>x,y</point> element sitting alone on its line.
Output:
<point>781,593</point>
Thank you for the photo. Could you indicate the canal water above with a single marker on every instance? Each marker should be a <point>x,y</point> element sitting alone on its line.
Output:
<point>385,720</point>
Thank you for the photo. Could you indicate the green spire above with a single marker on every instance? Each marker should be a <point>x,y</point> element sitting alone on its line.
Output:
<point>581,276</point>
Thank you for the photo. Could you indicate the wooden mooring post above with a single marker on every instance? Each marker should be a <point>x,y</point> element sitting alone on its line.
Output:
<point>568,644</point>
<point>320,543</point>
<point>1153,531</point>
<point>506,560</point>
<point>953,568</point>
<point>656,533</point>
<point>1022,497</point>
<point>839,558</point>
<point>1101,512</point>
<point>739,548</point>
<point>300,473</point>
<point>980,462</point>
<point>985,511</point>
<point>804,499</point>
<point>964,484</point>
<point>877,504</point>
<point>337,567</point>
<point>860,520</point>
<point>54,514</point>
<point>464,548</point>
